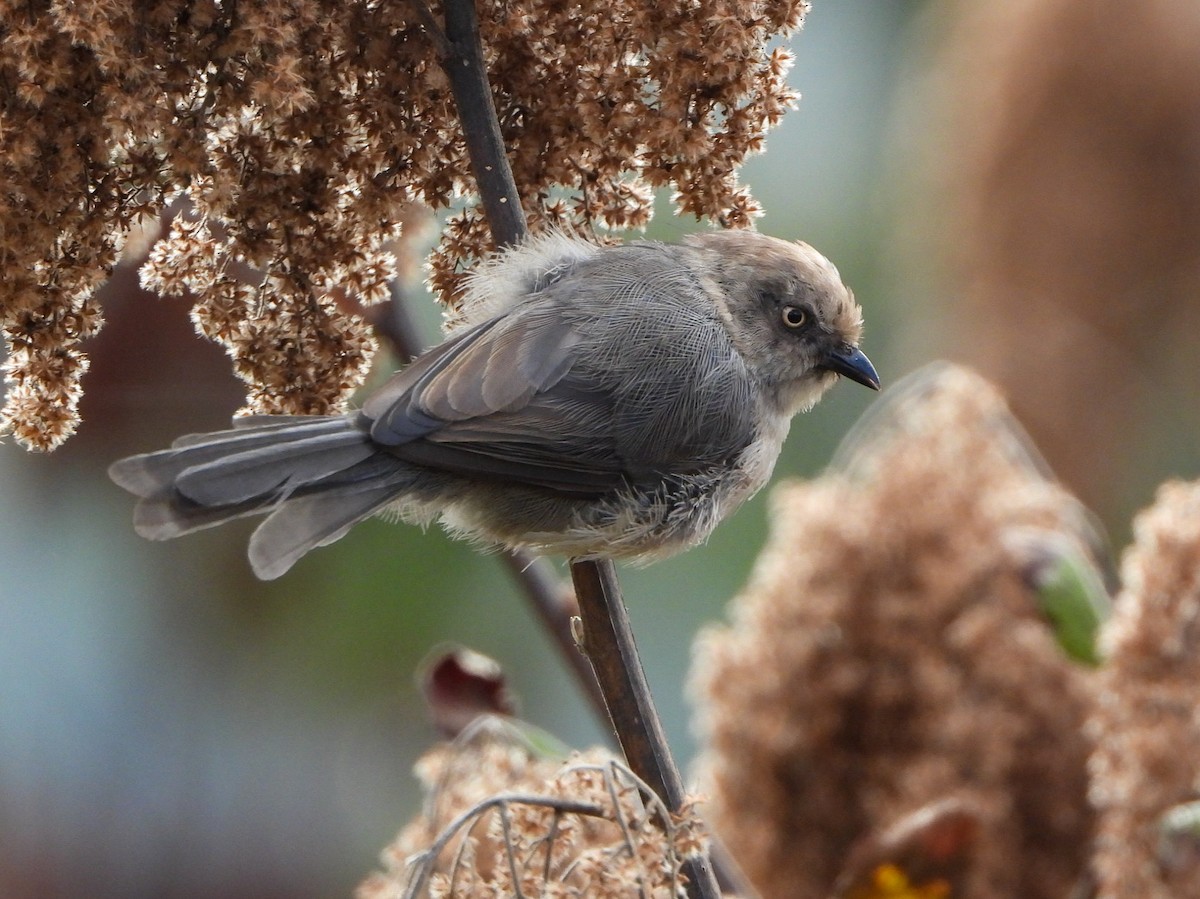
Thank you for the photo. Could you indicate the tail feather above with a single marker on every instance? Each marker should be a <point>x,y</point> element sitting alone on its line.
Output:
<point>248,425</point>
<point>300,525</point>
<point>149,474</point>
<point>273,469</point>
<point>313,477</point>
<point>169,516</point>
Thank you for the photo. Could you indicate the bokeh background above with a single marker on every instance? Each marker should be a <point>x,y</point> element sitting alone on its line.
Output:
<point>1015,186</point>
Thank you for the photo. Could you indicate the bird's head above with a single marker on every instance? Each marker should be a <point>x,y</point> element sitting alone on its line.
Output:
<point>795,323</point>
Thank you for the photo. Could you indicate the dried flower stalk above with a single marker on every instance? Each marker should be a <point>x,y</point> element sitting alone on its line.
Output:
<point>889,654</point>
<point>299,132</point>
<point>1147,720</point>
<point>499,821</point>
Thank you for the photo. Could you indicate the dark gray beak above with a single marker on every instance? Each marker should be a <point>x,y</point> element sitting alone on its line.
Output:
<point>851,362</point>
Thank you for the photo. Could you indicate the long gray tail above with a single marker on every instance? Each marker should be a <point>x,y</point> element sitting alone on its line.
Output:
<point>313,477</point>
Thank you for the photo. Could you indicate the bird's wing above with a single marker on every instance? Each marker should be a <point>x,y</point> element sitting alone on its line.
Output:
<point>498,364</point>
<point>526,398</point>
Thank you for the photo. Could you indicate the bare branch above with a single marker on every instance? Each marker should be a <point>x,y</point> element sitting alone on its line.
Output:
<point>481,127</point>
<point>394,322</point>
<point>554,605</point>
<point>609,643</point>
<point>608,638</point>
<point>430,23</point>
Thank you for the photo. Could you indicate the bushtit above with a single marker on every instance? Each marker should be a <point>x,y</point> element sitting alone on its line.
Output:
<point>593,401</point>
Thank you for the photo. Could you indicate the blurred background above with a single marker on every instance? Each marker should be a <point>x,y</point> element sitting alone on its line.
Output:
<point>1015,186</point>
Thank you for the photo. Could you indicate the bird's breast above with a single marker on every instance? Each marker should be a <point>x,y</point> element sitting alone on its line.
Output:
<point>762,453</point>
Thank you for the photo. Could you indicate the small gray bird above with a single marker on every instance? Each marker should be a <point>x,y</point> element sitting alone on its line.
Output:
<point>593,401</point>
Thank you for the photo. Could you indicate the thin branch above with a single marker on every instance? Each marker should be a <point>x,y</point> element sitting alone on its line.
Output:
<point>608,638</point>
<point>552,600</point>
<point>481,127</point>
<point>554,605</point>
<point>430,23</point>
<point>394,322</point>
<point>550,837</point>
<point>502,205</point>
<point>609,644</point>
<point>510,850</point>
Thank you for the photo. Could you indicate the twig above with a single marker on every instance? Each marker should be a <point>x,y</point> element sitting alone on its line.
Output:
<point>554,605</point>
<point>474,815</point>
<point>608,638</point>
<point>609,644</point>
<point>481,127</point>
<point>502,205</point>
<point>509,850</point>
<point>552,600</point>
<point>430,23</point>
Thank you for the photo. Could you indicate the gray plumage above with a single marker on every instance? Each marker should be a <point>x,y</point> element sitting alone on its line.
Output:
<point>593,401</point>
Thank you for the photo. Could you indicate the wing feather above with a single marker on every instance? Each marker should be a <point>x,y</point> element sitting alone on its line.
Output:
<point>537,395</point>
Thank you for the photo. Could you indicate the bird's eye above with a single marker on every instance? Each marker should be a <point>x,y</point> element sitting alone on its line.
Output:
<point>794,317</point>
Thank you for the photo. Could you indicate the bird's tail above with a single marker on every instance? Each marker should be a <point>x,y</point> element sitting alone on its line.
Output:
<point>313,477</point>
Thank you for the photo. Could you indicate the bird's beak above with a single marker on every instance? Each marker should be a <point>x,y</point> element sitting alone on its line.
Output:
<point>853,363</point>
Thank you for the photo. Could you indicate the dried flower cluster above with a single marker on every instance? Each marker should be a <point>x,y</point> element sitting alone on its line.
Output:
<point>294,134</point>
<point>1147,720</point>
<point>889,715</point>
<point>500,821</point>
<point>602,102</point>
<point>889,655</point>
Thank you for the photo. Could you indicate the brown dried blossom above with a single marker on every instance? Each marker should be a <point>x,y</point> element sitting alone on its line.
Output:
<point>889,654</point>
<point>1147,720</point>
<point>501,821</point>
<point>299,132</point>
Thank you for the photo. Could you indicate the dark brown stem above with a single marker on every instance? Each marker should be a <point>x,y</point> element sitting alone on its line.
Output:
<point>607,636</point>
<point>481,127</point>
<point>434,29</point>
<point>554,605</point>
<point>609,644</point>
